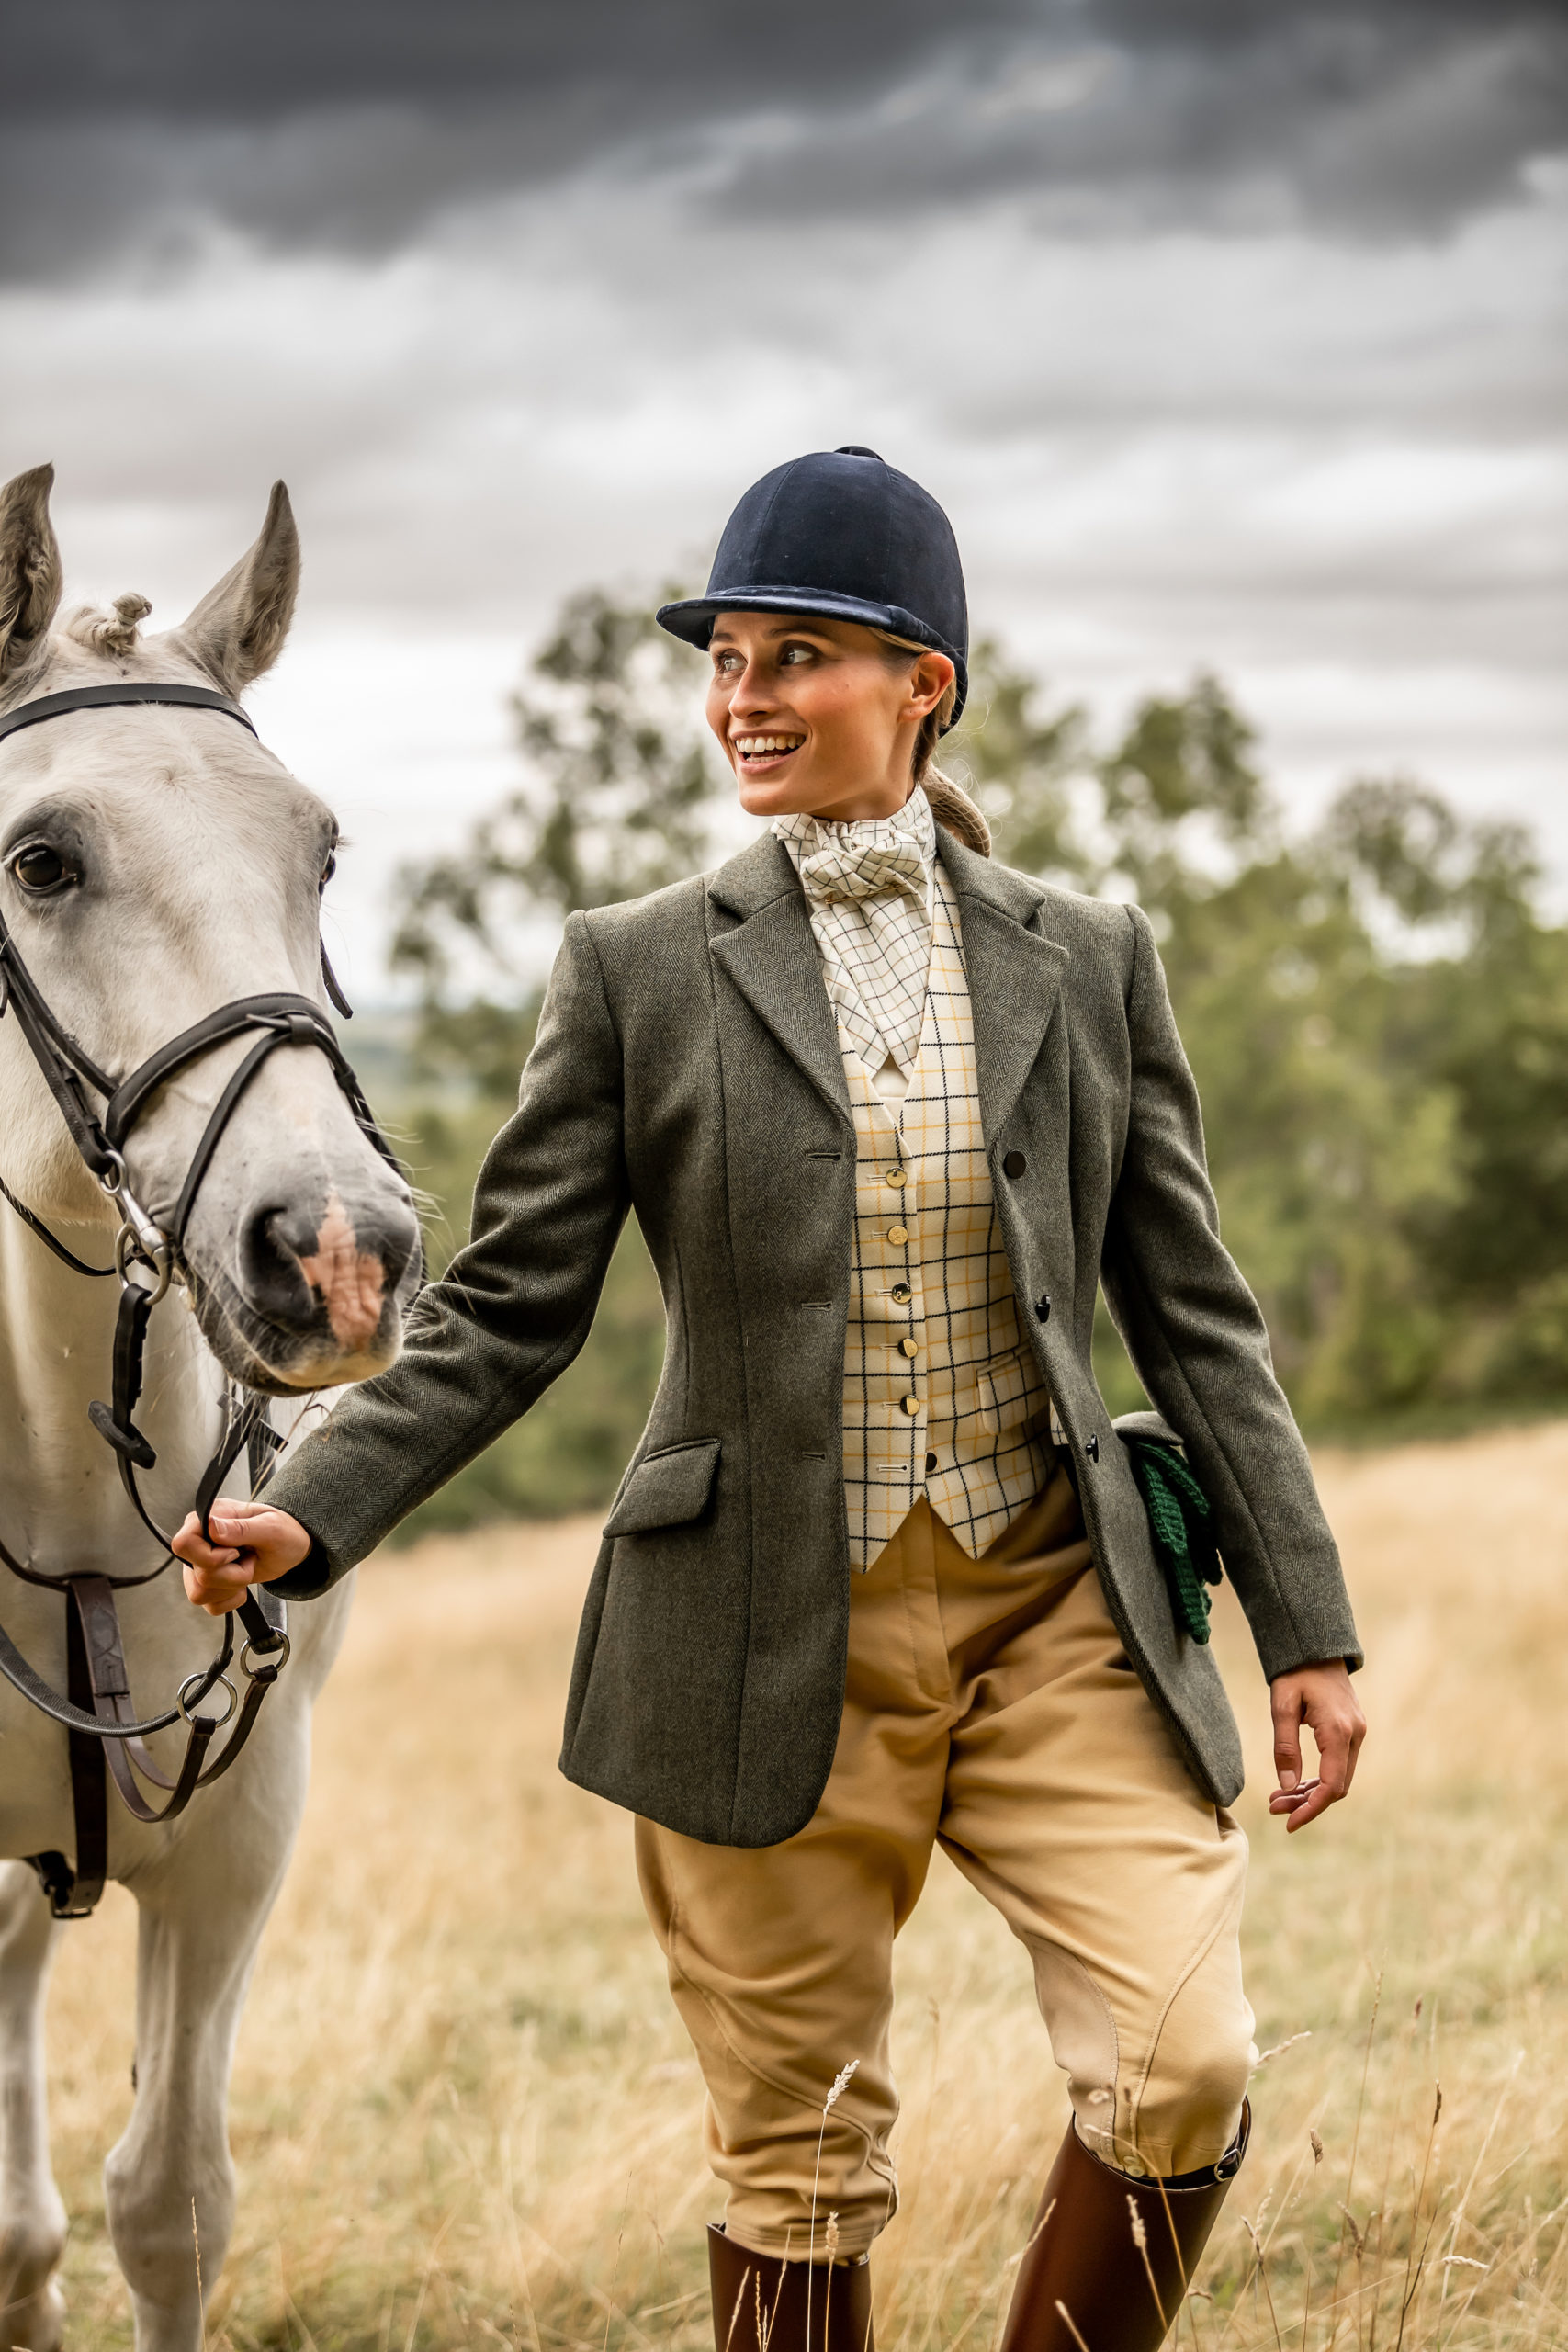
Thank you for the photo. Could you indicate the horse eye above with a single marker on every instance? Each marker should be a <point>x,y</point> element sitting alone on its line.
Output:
<point>329,869</point>
<point>39,867</point>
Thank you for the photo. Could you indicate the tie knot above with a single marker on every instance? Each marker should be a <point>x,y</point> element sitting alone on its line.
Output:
<point>856,872</point>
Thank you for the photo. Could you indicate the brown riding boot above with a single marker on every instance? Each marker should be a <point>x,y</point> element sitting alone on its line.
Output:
<point>1084,2257</point>
<point>761,2304</point>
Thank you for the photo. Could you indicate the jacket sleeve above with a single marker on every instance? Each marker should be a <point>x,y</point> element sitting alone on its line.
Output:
<point>511,1311</point>
<point>1198,1345</point>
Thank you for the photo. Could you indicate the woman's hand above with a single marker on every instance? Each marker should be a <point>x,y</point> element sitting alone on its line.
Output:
<point>1320,1697</point>
<point>251,1544</point>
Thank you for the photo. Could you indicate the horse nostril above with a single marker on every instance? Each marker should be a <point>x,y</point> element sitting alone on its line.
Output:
<point>272,1242</point>
<point>303,1267</point>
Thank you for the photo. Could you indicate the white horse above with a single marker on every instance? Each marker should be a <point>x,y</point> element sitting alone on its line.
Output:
<point>157,862</point>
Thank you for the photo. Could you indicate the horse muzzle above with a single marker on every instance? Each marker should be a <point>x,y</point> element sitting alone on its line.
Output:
<point>316,1292</point>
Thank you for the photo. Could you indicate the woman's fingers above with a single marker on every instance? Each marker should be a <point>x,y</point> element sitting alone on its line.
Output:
<point>1287,1738</point>
<point>243,1543</point>
<point>220,1587</point>
<point>191,1543</point>
<point>1322,1697</point>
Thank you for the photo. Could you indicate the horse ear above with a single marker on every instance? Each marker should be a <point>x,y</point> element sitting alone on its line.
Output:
<point>237,630</point>
<point>30,573</point>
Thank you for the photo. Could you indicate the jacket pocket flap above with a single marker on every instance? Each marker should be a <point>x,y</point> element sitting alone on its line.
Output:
<point>666,1489</point>
<point>1011,1393</point>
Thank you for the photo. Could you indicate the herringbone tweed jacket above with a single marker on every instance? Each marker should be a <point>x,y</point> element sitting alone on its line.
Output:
<point>688,1067</point>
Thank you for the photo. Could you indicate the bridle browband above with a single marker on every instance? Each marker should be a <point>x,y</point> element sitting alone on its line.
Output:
<point>145,1247</point>
<point>31,714</point>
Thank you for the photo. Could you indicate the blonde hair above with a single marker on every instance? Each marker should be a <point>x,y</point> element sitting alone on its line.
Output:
<point>950,804</point>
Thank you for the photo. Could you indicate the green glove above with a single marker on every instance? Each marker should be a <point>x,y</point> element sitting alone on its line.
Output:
<point>1181,1521</point>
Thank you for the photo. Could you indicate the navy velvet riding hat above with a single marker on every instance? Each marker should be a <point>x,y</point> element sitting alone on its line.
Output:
<point>842,534</point>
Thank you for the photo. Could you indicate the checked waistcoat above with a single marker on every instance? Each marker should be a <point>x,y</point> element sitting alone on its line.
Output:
<point>941,1395</point>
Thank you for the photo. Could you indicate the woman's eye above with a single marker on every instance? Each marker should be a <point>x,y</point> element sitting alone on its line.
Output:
<point>794,653</point>
<point>39,867</point>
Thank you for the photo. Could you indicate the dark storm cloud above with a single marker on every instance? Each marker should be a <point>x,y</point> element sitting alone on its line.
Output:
<point>347,125</point>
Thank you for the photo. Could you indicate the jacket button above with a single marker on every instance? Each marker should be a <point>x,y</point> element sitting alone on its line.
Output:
<point>1092,1446</point>
<point>1042,1309</point>
<point>1014,1164</point>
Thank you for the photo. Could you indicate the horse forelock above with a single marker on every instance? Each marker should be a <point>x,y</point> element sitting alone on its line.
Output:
<point>115,631</point>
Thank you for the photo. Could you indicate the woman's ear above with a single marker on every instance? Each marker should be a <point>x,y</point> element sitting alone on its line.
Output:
<point>930,678</point>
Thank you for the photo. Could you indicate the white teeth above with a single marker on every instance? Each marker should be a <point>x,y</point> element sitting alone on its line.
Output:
<point>752,746</point>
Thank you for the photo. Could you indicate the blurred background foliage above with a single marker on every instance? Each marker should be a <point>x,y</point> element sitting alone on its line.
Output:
<point>1376,1010</point>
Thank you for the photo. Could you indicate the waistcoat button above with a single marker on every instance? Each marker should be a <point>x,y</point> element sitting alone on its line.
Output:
<point>931,1464</point>
<point>897,1234</point>
<point>897,1175</point>
<point>901,1293</point>
<point>1014,1164</point>
<point>912,1405</point>
<point>910,1347</point>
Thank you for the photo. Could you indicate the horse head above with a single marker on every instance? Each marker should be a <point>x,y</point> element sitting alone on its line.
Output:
<point>157,862</point>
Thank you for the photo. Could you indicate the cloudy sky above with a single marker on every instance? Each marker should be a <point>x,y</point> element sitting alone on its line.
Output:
<point>1229,331</point>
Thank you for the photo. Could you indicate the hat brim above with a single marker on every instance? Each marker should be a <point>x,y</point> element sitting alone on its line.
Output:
<point>693,618</point>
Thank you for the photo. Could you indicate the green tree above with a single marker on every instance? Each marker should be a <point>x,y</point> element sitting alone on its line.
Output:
<point>616,800</point>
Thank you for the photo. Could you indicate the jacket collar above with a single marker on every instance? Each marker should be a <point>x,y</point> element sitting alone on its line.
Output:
<point>754,877</point>
<point>1015,968</point>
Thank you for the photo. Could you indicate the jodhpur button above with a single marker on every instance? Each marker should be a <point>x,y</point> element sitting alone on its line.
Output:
<point>912,1405</point>
<point>910,1347</point>
<point>931,1464</point>
<point>1042,1309</point>
<point>897,1234</point>
<point>900,1292</point>
<point>897,1175</point>
<point>1014,1164</point>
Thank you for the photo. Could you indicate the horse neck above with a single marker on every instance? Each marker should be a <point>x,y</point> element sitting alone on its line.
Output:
<point>62,1507</point>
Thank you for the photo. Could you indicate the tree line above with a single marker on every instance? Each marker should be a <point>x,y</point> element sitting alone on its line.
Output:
<point>1375,1008</point>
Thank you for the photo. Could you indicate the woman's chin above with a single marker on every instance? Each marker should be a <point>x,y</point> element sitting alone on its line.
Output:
<point>776,793</point>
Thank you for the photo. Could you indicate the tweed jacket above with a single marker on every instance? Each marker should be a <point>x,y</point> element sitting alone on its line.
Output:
<point>687,1067</point>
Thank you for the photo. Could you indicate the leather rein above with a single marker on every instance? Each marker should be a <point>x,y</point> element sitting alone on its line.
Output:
<point>97,1713</point>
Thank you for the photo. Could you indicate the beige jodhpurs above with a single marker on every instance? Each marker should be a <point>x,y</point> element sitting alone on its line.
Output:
<point>988,1705</point>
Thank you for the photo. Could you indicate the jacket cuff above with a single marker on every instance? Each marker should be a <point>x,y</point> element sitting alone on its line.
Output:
<point>311,1579</point>
<point>1310,1647</point>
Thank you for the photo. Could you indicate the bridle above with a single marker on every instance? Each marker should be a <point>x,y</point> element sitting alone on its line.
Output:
<point>97,1713</point>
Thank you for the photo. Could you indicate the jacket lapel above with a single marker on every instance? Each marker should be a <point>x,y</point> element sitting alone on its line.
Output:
<point>772,959</point>
<point>1015,975</point>
<point>1015,971</point>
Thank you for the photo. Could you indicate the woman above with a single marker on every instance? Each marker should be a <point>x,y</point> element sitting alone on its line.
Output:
<point>879,1573</point>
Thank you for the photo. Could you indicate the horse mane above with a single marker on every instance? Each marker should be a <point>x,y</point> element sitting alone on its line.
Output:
<point>113,632</point>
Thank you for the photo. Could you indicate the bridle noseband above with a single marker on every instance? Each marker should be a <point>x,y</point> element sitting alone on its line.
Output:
<point>144,1247</point>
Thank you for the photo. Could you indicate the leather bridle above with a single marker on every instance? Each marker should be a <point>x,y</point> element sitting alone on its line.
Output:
<point>148,1256</point>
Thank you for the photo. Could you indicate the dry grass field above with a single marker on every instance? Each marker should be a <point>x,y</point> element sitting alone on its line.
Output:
<point>465,2114</point>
